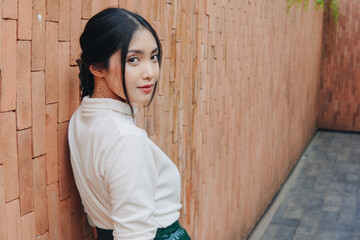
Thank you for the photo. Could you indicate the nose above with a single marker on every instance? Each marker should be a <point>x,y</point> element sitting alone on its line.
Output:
<point>148,71</point>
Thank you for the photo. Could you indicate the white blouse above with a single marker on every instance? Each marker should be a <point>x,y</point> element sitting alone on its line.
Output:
<point>126,183</point>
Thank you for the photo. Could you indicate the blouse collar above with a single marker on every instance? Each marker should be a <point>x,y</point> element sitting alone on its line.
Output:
<point>107,103</point>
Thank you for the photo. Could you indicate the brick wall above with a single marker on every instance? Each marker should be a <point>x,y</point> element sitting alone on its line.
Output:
<point>340,75</point>
<point>236,106</point>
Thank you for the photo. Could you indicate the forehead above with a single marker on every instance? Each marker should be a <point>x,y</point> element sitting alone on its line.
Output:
<point>143,40</point>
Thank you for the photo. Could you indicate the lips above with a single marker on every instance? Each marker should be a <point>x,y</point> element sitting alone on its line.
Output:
<point>146,88</point>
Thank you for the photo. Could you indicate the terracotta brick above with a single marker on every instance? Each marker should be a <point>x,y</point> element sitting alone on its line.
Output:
<point>83,23</point>
<point>10,9</point>
<point>86,228</point>
<point>65,219</point>
<point>1,40</point>
<point>40,195</point>
<point>8,62</point>
<point>25,20</point>
<point>8,154</point>
<point>38,35</point>
<point>76,225</point>
<point>214,101</point>
<point>88,237</point>
<point>38,113</point>
<point>52,62</point>
<point>25,173</point>
<point>2,205</point>
<point>74,196</point>
<point>74,90</point>
<point>7,137</point>
<point>96,7</point>
<point>130,5</point>
<point>64,20</point>
<point>52,10</point>
<point>52,163</point>
<point>123,4</point>
<point>64,78</point>
<point>13,220</point>
<point>75,31</point>
<point>53,210</point>
<point>86,9</point>
<point>44,236</point>
<point>109,3</point>
<point>64,161</point>
<point>23,85</point>
<point>28,226</point>
<point>339,92</point>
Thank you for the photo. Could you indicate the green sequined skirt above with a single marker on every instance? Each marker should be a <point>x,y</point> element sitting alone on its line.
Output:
<point>172,232</point>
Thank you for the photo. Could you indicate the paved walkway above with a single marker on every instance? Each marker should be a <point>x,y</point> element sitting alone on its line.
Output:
<point>321,198</point>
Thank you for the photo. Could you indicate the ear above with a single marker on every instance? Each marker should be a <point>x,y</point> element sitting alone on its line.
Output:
<point>97,71</point>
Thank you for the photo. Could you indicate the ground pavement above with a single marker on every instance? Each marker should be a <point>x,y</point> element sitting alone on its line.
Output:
<point>321,198</point>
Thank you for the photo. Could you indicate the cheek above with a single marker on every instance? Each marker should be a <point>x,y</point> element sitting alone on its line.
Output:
<point>157,72</point>
<point>131,76</point>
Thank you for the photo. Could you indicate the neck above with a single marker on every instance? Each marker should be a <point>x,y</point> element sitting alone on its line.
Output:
<point>101,90</point>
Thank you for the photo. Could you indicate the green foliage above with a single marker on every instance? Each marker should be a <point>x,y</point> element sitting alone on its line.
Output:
<point>334,5</point>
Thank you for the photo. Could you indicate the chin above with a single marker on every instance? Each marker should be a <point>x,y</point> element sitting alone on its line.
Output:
<point>143,101</point>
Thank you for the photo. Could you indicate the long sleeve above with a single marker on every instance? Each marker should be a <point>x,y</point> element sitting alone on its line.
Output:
<point>131,178</point>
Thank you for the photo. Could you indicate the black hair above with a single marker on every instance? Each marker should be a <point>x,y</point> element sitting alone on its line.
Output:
<point>105,33</point>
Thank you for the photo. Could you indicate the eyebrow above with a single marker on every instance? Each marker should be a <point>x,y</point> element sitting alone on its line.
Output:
<point>142,52</point>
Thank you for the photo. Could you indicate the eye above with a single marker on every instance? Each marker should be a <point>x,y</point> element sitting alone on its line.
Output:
<point>133,60</point>
<point>155,58</point>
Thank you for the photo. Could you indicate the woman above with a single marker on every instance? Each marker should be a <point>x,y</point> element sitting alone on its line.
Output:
<point>129,188</point>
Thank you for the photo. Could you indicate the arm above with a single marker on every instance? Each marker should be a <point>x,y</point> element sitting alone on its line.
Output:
<point>131,178</point>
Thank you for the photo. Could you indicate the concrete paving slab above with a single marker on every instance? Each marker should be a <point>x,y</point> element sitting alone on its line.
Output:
<point>321,197</point>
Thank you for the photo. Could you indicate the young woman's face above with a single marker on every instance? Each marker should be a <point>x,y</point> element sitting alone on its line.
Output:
<point>141,68</point>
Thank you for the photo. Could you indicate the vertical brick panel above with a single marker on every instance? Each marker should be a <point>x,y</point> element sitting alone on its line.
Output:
<point>38,113</point>
<point>28,226</point>
<point>23,85</point>
<point>122,4</point>
<point>64,161</point>
<point>86,9</point>
<point>44,236</point>
<point>339,88</point>
<point>75,30</point>
<point>75,196</point>
<point>1,43</point>
<point>2,205</point>
<point>25,175</point>
<point>8,66</point>
<point>40,195</point>
<point>25,20</point>
<point>86,229</point>
<point>10,9</point>
<point>52,62</point>
<point>65,219</point>
<point>13,220</point>
<point>38,35</point>
<point>64,78</point>
<point>76,224</point>
<point>53,202</point>
<point>52,162</point>
<point>96,6</point>
<point>52,10</point>
<point>64,20</point>
<point>74,90</point>
<point>223,79</point>
<point>8,154</point>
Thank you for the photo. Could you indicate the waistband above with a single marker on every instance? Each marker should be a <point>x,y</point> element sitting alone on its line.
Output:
<point>107,234</point>
<point>162,232</point>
